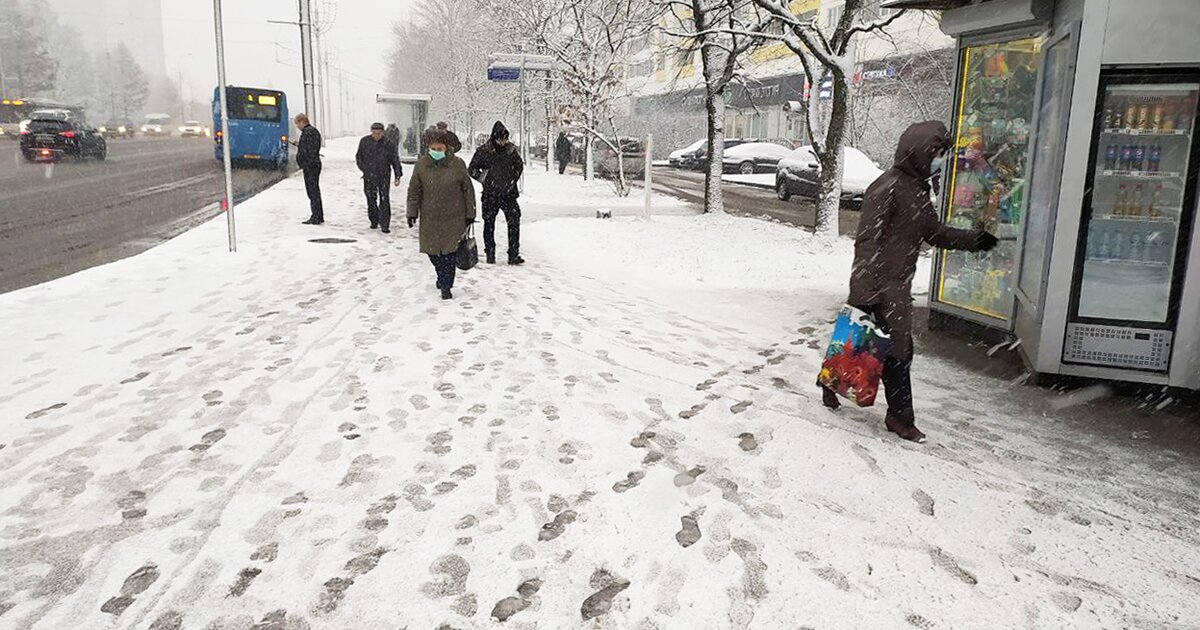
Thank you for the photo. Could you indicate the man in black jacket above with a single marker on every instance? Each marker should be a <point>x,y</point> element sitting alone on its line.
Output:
<point>498,165</point>
<point>308,158</point>
<point>377,159</point>
<point>562,152</point>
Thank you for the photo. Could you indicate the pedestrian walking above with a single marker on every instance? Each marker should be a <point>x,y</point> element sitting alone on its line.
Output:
<point>392,133</point>
<point>498,165</point>
<point>562,151</point>
<point>441,198</point>
<point>897,216</point>
<point>308,158</point>
<point>378,159</point>
<point>452,140</point>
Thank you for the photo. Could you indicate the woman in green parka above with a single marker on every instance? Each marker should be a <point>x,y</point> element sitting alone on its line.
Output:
<point>441,196</point>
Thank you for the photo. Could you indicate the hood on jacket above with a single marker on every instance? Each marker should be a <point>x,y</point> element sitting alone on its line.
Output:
<point>918,145</point>
<point>498,131</point>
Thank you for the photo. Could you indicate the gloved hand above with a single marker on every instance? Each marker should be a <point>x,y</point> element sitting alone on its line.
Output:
<point>412,221</point>
<point>986,242</point>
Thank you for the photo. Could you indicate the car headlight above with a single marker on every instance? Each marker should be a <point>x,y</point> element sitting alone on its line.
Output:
<point>121,129</point>
<point>103,129</point>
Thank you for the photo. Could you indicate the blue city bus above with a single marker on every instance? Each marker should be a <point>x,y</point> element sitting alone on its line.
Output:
<point>258,124</point>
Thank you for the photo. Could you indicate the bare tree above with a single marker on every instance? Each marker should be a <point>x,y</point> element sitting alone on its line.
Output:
<point>723,31</point>
<point>826,53</point>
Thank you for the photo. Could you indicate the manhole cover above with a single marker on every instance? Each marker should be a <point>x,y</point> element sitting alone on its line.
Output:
<point>332,240</point>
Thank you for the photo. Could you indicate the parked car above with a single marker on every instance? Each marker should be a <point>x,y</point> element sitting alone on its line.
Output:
<point>192,129</point>
<point>633,157</point>
<point>754,157</point>
<point>117,128</point>
<point>800,174</point>
<point>676,157</point>
<point>157,125</point>
<point>695,159</point>
<point>56,134</point>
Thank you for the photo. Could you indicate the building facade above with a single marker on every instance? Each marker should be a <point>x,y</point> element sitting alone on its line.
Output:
<point>902,76</point>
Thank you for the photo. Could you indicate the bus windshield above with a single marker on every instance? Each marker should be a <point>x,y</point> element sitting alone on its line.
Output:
<point>247,104</point>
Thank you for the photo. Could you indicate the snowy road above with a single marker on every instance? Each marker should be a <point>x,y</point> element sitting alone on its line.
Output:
<point>56,220</point>
<point>622,434</point>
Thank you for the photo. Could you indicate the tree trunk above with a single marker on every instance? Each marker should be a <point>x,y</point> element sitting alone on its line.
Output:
<point>832,160</point>
<point>714,196</point>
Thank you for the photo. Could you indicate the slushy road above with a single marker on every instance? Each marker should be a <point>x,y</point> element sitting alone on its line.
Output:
<point>60,219</point>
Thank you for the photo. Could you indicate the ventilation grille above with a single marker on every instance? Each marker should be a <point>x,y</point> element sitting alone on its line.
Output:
<point>1139,349</point>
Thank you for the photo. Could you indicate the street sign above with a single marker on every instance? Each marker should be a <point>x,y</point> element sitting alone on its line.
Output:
<point>507,75</point>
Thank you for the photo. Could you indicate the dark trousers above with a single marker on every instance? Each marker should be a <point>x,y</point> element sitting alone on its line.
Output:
<point>897,373</point>
<point>379,202</point>
<point>312,184</point>
<point>562,167</point>
<point>492,207</point>
<point>443,264</point>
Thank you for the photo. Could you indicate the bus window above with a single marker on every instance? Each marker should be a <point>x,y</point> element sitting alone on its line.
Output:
<point>252,106</point>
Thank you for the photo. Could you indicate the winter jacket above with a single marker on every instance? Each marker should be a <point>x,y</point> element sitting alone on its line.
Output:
<point>308,150</point>
<point>562,149</point>
<point>897,216</point>
<point>502,165</point>
<point>442,196</point>
<point>377,159</point>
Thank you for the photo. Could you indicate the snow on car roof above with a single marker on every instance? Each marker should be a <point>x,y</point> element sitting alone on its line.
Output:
<point>758,148</point>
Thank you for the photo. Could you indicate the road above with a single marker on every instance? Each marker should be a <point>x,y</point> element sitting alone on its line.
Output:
<point>746,200</point>
<point>60,219</point>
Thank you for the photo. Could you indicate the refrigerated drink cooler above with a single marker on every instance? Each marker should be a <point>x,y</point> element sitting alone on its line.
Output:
<point>1138,212</point>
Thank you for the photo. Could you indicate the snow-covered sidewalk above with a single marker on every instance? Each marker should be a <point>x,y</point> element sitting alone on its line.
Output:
<point>622,434</point>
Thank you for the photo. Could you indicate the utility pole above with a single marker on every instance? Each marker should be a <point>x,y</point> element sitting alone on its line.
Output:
<point>306,62</point>
<point>224,104</point>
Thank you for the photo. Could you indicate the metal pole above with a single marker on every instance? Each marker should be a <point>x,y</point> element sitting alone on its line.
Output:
<point>524,144</point>
<point>306,62</point>
<point>225,125</point>
<point>649,162</point>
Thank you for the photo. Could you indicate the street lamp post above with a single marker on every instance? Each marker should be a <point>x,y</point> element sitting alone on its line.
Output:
<point>224,104</point>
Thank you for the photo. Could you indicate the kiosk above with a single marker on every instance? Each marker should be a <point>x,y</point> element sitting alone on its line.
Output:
<point>1074,129</point>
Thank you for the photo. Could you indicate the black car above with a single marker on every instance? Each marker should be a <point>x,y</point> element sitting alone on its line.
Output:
<point>118,128</point>
<point>53,136</point>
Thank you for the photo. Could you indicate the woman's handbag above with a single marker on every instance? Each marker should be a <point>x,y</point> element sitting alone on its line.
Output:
<point>467,255</point>
<point>854,361</point>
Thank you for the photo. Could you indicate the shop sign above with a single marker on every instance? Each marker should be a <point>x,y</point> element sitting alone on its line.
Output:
<point>766,92</point>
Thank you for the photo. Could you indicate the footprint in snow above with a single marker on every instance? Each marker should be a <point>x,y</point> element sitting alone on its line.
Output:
<point>631,481</point>
<point>747,442</point>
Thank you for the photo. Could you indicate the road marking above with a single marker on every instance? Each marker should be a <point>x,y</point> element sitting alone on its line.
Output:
<point>162,188</point>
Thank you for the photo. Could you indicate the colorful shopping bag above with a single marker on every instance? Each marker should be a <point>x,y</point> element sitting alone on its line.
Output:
<point>854,361</point>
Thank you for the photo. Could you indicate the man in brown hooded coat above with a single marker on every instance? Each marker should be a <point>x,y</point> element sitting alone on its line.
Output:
<point>897,216</point>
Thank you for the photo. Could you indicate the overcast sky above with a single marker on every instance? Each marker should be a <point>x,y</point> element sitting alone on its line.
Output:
<point>267,55</point>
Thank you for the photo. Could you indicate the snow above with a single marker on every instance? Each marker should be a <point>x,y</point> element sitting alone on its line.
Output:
<point>303,435</point>
<point>678,153</point>
<point>756,149</point>
<point>760,180</point>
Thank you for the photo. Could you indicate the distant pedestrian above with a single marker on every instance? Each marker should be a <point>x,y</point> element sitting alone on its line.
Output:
<point>897,217</point>
<point>499,166</point>
<point>442,198</point>
<point>377,158</point>
<point>452,140</point>
<point>562,151</point>
<point>392,133</point>
<point>410,142</point>
<point>308,158</point>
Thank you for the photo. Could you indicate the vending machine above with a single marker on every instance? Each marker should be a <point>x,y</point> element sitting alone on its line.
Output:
<point>987,178</point>
<point>1139,209</point>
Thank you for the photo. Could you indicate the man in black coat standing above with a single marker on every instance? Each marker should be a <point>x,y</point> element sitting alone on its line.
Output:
<point>562,152</point>
<point>498,165</point>
<point>377,158</point>
<point>308,158</point>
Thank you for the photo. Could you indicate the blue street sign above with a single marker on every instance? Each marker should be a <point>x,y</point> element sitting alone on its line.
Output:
<point>504,74</point>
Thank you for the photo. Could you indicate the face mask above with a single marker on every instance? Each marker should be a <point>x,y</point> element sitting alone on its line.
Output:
<point>938,165</point>
<point>437,156</point>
